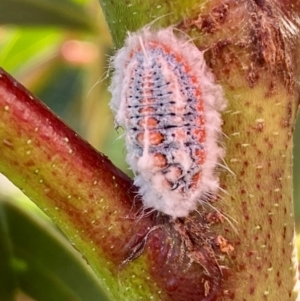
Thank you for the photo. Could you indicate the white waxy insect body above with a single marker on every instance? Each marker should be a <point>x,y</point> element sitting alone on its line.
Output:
<point>165,97</point>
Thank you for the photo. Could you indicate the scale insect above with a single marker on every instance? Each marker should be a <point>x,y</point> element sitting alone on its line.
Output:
<point>167,101</point>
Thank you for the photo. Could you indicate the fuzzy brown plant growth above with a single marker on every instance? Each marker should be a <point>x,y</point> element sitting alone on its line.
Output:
<point>252,48</point>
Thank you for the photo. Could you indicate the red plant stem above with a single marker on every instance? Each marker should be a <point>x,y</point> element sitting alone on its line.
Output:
<point>78,187</point>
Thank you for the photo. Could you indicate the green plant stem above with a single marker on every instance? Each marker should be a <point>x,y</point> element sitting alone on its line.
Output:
<point>255,57</point>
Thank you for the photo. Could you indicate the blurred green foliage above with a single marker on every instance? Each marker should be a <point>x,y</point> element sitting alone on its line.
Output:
<point>37,260</point>
<point>67,13</point>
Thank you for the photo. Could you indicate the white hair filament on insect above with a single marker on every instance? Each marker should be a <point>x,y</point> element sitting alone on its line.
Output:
<point>227,217</point>
<point>102,78</point>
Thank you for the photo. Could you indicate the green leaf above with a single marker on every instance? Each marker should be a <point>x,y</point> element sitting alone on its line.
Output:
<point>26,48</point>
<point>62,90</point>
<point>8,281</point>
<point>45,12</point>
<point>36,256</point>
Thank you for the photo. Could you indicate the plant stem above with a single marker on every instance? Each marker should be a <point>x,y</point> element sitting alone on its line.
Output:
<point>80,189</point>
<point>253,49</point>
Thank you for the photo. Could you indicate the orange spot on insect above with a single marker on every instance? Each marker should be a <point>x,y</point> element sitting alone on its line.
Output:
<point>200,154</point>
<point>148,122</point>
<point>195,180</point>
<point>199,134</point>
<point>200,107</point>
<point>198,93</point>
<point>140,138</point>
<point>147,110</point>
<point>154,137</point>
<point>160,160</point>
<point>200,121</point>
<point>194,80</point>
<point>180,134</point>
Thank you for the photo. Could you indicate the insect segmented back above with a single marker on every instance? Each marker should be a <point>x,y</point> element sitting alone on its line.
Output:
<point>169,105</point>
